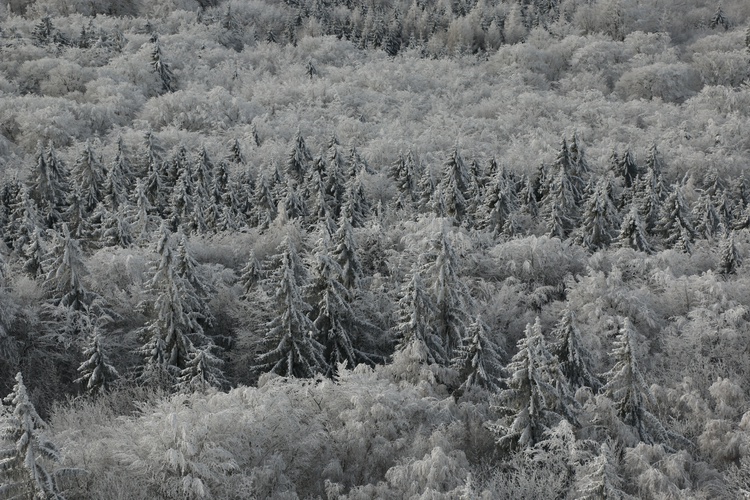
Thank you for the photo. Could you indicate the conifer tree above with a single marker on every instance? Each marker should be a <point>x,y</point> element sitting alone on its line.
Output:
<point>115,228</point>
<point>674,223</point>
<point>633,232</point>
<point>414,323</point>
<point>706,217</point>
<point>251,275</point>
<point>627,388</point>
<point>478,359</point>
<point>298,160</point>
<point>97,374</point>
<point>181,204</point>
<point>49,184</point>
<point>152,156</point>
<point>356,205</point>
<point>559,209</point>
<point>43,32</point>
<point>719,19</point>
<point>452,301</point>
<point>34,255</point>
<point>22,470</point>
<point>455,184</point>
<point>649,194</point>
<point>202,371</point>
<point>65,272</point>
<point>531,394</point>
<point>572,355</point>
<point>89,176</point>
<point>187,268</point>
<point>598,478</point>
<point>264,204</point>
<point>730,258</point>
<point>24,220</point>
<point>118,180</point>
<point>599,219</point>
<point>426,190</point>
<point>500,203</point>
<point>203,175</point>
<point>162,69</point>
<point>345,252</point>
<point>142,220</point>
<point>344,335</point>
<point>294,205</point>
<point>627,169</point>
<point>289,346</point>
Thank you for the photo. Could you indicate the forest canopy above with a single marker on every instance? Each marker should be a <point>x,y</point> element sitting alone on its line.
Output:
<point>495,245</point>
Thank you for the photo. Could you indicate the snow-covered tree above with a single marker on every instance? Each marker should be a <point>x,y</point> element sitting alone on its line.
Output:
<point>88,176</point>
<point>251,275</point>
<point>161,67</point>
<point>599,479</point>
<point>202,371</point>
<point>558,208</point>
<point>599,219</point>
<point>289,346</point>
<point>346,254</point>
<point>345,335</point>
<point>96,372</point>
<point>298,159</point>
<point>528,403</point>
<point>414,329</point>
<point>572,355</point>
<point>65,271</point>
<point>22,465</point>
<point>633,233</point>
<point>478,359</point>
<point>730,258</point>
<point>48,184</point>
<point>627,388</point>
<point>455,184</point>
<point>118,180</point>
<point>675,225</point>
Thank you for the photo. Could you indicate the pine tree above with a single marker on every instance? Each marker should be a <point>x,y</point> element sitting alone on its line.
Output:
<point>730,258</point>
<point>478,359</point>
<point>414,323</point>
<point>455,184</point>
<point>600,219</point>
<point>598,478</point>
<point>344,335</point>
<point>633,233</point>
<point>719,19</point>
<point>162,69</point>
<point>22,471</point>
<point>65,272</point>
<point>97,374</point>
<point>118,179</point>
<point>572,355</point>
<point>202,371</point>
<point>674,223</point>
<point>289,346</point>
<point>531,394</point>
<point>298,160</point>
<point>627,388</point>
<point>451,298</point>
<point>88,175</point>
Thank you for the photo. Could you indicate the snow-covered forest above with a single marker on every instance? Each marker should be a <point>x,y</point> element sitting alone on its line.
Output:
<point>368,249</point>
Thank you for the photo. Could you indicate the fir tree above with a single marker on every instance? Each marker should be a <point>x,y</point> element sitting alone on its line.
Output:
<point>289,345</point>
<point>730,258</point>
<point>706,217</point>
<point>24,220</point>
<point>202,371</point>
<point>34,255</point>
<point>627,388</point>
<point>674,223</point>
<point>89,176</point>
<point>414,323</point>
<point>455,186</point>
<point>117,182</point>
<point>719,19</point>
<point>65,272</point>
<point>22,465</point>
<point>500,203</point>
<point>479,359</point>
<point>142,220</point>
<point>43,32</point>
<point>599,219</point>
<point>251,275</point>
<point>162,69</point>
<point>572,355</point>
<point>633,233</point>
<point>531,395</point>
<point>343,334</point>
<point>345,252</point>
<point>598,478</point>
<point>298,160</point>
<point>48,184</point>
<point>559,208</point>
<point>97,374</point>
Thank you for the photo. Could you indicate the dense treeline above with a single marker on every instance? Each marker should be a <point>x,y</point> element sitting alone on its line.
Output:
<point>496,245</point>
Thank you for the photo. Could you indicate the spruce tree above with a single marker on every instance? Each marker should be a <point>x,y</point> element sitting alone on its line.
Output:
<point>500,202</point>
<point>118,180</point>
<point>97,374</point>
<point>572,355</point>
<point>202,371</point>
<point>531,396</point>
<point>22,470</point>
<point>730,258</point>
<point>479,359</point>
<point>24,220</point>
<point>48,184</point>
<point>298,159</point>
<point>455,184</point>
<point>675,225</point>
<point>559,209</point>
<point>706,217</point>
<point>627,388</point>
<point>598,478</point>
<point>344,334</point>
<point>414,328</point>
<point>633,232</point>
<point>88,175</point>
<point>251,275</point>
<point>289,347</point>
<point>346,253</point>
<point>65,272</point>
<point>162,69</point>
<point>34,255</point>
<point>599,219</point>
